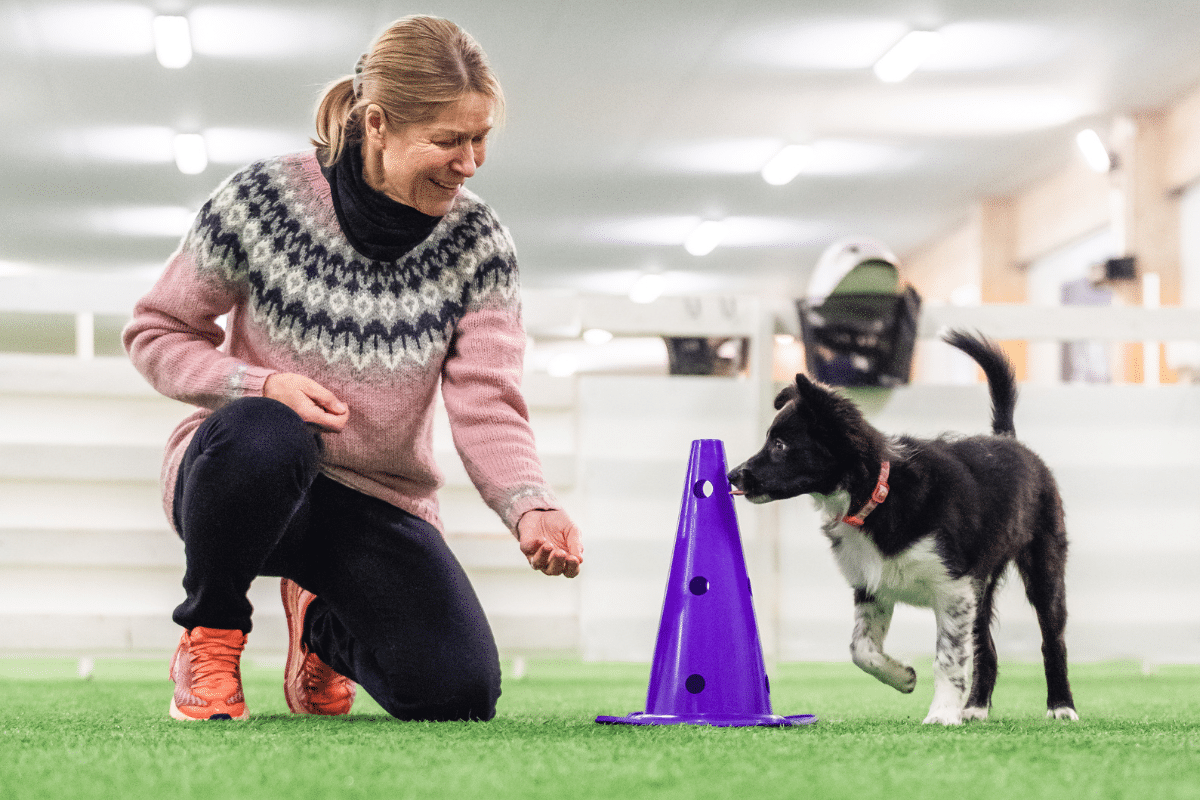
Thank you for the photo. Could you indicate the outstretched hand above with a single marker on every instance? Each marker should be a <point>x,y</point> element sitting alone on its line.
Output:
<point>551,542</point>
<point>314,403</point>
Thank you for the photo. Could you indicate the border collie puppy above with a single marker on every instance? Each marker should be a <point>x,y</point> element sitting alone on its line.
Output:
<point>932,523</point>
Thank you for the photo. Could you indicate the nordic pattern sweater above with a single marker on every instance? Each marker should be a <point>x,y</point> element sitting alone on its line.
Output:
<point>267,251</point>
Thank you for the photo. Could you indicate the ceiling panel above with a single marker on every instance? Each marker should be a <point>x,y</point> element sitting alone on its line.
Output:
<point>629,122</point>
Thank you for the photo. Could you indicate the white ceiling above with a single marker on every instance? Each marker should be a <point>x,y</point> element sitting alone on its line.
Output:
<point>630,121</point>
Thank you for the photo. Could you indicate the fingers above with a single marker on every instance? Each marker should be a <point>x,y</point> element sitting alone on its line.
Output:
<point>554,561</point>
<point>325,399</point>
<point>314,403</point>
<point>551,542</point>
<point>574,539</point>
<point>328,421</point>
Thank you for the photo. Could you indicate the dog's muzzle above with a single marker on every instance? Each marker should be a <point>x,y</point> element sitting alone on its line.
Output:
<point>742,481</point>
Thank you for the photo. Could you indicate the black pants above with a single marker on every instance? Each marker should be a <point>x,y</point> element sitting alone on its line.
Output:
<point>394,609</point>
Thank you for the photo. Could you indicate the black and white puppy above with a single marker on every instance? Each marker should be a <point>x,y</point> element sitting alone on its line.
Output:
<point>927,522</point>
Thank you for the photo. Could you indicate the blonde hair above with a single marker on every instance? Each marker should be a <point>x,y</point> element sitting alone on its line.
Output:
<point>416,68</point>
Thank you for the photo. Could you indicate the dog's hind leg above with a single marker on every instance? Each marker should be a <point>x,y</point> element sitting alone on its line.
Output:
<point>983,675</point>
<point>955,613</point>
<point>1042,566</point>
<point>872,618</point>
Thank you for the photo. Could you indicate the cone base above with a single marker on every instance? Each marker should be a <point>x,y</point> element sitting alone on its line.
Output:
<point>716,720</point>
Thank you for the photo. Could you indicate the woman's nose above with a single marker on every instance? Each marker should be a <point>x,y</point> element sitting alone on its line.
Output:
<point>468,160</point>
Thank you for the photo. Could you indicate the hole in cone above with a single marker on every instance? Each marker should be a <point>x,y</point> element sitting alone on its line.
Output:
<point>703,489</point>
<point>698,585</point>
<point>695,684</point>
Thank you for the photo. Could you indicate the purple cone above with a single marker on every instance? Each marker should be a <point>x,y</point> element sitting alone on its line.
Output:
<point>708,665</point>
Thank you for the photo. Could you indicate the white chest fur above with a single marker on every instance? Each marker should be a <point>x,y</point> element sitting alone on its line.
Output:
<point>915,576</point>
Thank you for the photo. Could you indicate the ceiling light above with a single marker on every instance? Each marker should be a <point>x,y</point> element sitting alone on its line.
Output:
<point>779,231</point>
<point>816,44</point>
<point>726,156</point>
<point>787,164</point>
<point>704,238</point>
<point>1094,151</point>
<point>597,336</point>
<point>244,145</point>
<point>907,54</point>
<point>94,28</point>
<point>172,41</point>
<point>144,144</point>
<point>163,221</point>
<point>648,288</point>
<point>10,268</point>
<point>259,31</point>
<point>191,154</point>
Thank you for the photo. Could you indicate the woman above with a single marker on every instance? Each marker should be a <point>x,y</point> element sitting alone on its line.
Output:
<point>355,280</point>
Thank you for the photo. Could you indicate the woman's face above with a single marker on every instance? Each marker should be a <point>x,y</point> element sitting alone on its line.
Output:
<point>424,164</point>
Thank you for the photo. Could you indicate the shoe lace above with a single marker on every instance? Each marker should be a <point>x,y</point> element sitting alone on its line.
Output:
<point>213,659</point>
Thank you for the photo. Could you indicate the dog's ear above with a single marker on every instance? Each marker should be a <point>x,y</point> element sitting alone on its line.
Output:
<point>785,396</point>
<point>816,396</point>
<point>807,389</point>
<point>807,394</point>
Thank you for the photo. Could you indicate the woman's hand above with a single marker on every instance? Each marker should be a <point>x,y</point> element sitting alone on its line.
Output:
<point>551,542</point>
<point>313,402</point>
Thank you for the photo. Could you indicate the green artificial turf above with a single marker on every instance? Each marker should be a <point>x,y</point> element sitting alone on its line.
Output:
<point>109,736</point>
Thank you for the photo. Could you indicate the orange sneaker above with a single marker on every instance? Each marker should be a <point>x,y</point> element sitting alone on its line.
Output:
<point>310,685</point>
<point>207,672</point>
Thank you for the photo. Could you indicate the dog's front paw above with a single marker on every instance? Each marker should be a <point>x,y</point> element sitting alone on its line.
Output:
<point>1062,712</point>
<point>909,680</point>
<point>974,712</point>
<point>944,716</point>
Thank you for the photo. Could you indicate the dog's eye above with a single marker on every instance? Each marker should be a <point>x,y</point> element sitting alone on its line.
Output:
<point>778,446</point>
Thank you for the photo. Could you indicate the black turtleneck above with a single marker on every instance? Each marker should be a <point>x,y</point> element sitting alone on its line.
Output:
<point>376,225</point>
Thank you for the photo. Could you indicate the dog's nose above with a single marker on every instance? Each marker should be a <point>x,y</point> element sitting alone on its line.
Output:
<point>736,476</point>
<point>743,480</point>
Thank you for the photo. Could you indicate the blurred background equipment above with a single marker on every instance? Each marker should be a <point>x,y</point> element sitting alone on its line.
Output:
<point>859,323</point>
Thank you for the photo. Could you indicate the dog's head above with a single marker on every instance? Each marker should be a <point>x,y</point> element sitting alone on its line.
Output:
<point>818,443</point>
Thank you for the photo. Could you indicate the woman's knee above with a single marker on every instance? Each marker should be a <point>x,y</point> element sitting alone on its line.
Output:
<point>458,694</point>
<point>260,434</point>
<point>253,447</point>
<point>476,703</point>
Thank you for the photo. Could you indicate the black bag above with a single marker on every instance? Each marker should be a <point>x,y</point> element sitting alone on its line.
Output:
<point>861,339</point>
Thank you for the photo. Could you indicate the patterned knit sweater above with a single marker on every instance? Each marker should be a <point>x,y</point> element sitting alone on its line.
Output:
<point>268,251</point>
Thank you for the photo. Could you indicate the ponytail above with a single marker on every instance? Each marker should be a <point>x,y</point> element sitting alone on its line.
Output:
<point>338,120</point>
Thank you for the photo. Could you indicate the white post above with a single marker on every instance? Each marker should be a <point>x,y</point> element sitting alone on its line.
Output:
<point>1151,298</point>
<point>85,335</point>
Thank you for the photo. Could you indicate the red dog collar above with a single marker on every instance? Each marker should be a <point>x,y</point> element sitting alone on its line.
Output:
<point>878,496</point>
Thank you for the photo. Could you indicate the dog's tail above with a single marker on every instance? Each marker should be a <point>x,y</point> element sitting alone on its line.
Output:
<point>1002,381</point>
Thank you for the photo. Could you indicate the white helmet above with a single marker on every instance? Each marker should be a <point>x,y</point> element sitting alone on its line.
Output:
<point>843,256</point>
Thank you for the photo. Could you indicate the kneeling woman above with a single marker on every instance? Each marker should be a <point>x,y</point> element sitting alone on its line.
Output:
<point>355,279</point>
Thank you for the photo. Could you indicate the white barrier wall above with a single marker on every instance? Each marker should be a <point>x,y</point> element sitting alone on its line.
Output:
<point>88,564</point>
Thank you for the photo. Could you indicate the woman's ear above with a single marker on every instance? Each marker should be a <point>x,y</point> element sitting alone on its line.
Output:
<point>374,124</point>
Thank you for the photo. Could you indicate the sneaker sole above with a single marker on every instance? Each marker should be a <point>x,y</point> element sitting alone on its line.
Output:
<point>294,657</point>
<point>179,715</point>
